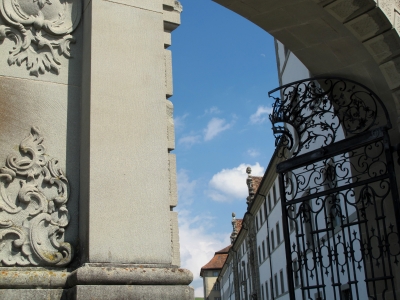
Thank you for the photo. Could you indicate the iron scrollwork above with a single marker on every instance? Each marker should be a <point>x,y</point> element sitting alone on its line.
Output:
<point>314,111</point>
<point>339,196</point>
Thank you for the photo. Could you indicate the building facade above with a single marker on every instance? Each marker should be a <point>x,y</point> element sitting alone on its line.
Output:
<point>320,231</point>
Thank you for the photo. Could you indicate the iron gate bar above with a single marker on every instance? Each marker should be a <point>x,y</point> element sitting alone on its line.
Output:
<point>335,149</point>
<point>308,106</point>
<point>331,191</point>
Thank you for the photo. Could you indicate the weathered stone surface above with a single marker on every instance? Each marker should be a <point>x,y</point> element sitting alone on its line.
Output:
<point>168,73</point>
<point>368,25</point>
<point>33,294</point>
<point>104,274</point>
<point>19,278</point>
<point>175,246</point>
<point>122,292</point>
<point>41,32</point>
<point>124,187</point>
<point>170,126</point>
<point>345,10</point>
<point>33,207</point>
<point>384,46</point>
<point>173,190</point>
<point>391,71</point>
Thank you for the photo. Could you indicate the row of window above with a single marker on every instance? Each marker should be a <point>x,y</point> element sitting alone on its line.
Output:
<point>273,289</point>
<point>263,213</point>
<point>270,240</point>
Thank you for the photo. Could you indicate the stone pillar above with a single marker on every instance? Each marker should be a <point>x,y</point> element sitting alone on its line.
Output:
<point>88,183</point>
<point>128,187</point>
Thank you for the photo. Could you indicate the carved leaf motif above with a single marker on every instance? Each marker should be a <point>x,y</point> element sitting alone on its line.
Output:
<point>33,220</point>
<point>42,3</point>
<point>39,40</point>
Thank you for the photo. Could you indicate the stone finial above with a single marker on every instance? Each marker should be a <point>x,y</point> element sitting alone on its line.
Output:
<point>178,7</point>
<point>249,182</point>
<point>234,228</point>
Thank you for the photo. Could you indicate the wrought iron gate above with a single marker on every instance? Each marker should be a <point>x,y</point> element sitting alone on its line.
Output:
<point>339,196</point>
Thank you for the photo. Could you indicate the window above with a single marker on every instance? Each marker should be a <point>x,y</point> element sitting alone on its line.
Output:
<point>216,286</point>
<point>282,282</point>
<point>291,214</point>
<point>296,274</point>
<point>278,234</point>
<point>263,250</point>
<point>276,285</point>
<point>266,290</point>
<point>272,240</point>
<point>274,193</point>
<point>265,209</point>
<point>215,273</point>
<point>346,294</point>
<point>262,292</point>
<point>261,217</point>
<point>257,222</point>
<point>268,246</point>
<point>332,200</point>
<point>271,287</point>
<point>217,298</point>
<point>269,203</point>
<point>285,50</point>
<point>308,223</point>
<point>259,255</point>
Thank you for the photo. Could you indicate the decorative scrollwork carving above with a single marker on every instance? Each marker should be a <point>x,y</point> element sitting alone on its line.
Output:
<point>33,211</point>
<point>313,111</point>
<point>39,29</point>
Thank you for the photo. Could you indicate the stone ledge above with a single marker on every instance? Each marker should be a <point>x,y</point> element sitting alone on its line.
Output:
<point>26,279</point>
<point>118,292</point>
<point>94,274</point>
<point>33,294</point>
<point>129,275</point>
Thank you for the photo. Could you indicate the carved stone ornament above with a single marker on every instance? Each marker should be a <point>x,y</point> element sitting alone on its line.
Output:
<point>33,212</point>
<point>40,30</point>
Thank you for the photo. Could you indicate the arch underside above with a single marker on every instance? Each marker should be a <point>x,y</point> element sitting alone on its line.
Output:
<point>353,39</point>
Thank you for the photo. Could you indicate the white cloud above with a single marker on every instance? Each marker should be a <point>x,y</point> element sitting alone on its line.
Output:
<point>186,188</point>
<point>189,140</point>
<point>261,115</point>
<point>215,127</point>
<point>179,121</point>
<point>198,244</point>
<point>212,110</point>
<point>230,184</point>
<point>253,152</point>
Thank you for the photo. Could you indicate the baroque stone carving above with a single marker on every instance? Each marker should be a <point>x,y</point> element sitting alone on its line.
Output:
<point>40,30</point>
<point>33,212</point>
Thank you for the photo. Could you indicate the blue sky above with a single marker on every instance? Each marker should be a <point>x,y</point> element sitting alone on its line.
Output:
<point>223,68</point>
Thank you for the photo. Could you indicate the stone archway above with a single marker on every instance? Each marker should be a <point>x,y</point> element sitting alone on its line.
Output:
<point>104,115</point>
<point>355,39</point>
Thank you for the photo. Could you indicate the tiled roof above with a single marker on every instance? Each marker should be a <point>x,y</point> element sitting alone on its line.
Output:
<point>217,262</point>
<point>256,182</point>
<point>238,225</point>
<point>225,250</point>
